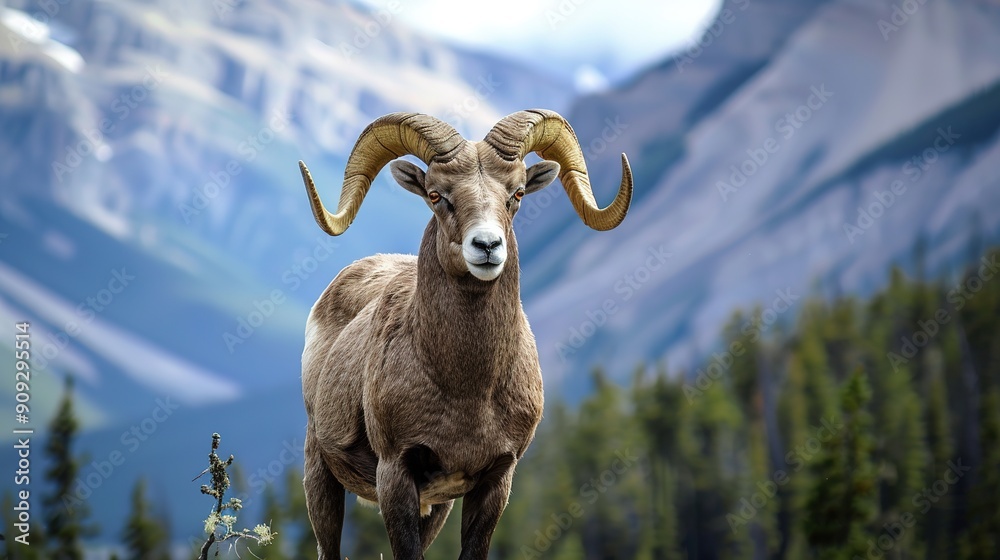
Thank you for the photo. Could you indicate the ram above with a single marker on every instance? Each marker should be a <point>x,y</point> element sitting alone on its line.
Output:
<point>420,375</point>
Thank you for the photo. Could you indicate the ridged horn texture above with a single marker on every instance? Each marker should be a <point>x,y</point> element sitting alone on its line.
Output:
<point>387,138</point>
<point>549,135</point>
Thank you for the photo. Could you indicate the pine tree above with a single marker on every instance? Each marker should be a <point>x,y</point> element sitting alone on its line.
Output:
<point>900,440</point>
<point>977,322</point>
<point>814,381</point>
<point>298,517</point>
<point>935,525</point>
<point>841,336</point>
<point>902,453</point>
<point>751,385</point>
<point>599,450</point>
<point>982,541</point>
<point>807,399</point>
<point>65,519</point>
<point>710,501</point>
<point>145,535</point>
<point>843,500</point>
<point>657,409</point>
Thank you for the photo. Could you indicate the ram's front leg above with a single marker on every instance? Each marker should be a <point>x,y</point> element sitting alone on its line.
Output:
<point>400,504</point>
<point>482,507</point>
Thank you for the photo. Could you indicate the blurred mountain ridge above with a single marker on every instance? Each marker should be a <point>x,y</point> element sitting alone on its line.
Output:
<point>162,138</point>
<point>753,188</point>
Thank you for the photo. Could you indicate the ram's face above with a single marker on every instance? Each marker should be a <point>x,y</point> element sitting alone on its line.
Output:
<point>474,198</point>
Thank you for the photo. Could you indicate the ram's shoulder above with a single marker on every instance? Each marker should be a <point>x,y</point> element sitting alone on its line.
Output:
<point>361,282</point>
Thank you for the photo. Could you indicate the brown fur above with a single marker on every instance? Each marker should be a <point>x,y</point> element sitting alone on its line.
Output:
<point>422,383</point>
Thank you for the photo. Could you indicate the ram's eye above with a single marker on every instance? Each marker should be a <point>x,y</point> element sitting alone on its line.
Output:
<point>519,194</point>
<point>434,197</point>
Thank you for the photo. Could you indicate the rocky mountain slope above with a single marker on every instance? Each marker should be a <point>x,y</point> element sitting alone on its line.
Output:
<point>155,233</point>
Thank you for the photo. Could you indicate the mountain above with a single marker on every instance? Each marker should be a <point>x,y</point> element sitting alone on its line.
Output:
<point>804,160</point>
<point>153,225</point>
<point>155,233</point>
<point>159,141</point>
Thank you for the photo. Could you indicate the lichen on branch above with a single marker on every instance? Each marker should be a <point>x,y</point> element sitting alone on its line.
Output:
<point>219,525</point>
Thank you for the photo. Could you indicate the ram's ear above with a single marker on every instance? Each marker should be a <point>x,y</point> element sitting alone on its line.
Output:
<point>540,176</point>
<point>409,176</point>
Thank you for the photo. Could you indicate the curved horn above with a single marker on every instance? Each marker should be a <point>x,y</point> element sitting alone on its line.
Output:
<point>549,135</point>
<point>387,138</point>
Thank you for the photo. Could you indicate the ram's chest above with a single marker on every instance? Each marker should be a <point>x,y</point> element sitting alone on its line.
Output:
<point>465,431</point>
<point>471,432</point>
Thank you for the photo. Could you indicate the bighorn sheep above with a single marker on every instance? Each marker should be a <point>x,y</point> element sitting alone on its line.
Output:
<point>420,374</point>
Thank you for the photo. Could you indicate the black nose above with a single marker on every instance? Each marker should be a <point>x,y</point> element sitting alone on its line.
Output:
<point>486,245</point>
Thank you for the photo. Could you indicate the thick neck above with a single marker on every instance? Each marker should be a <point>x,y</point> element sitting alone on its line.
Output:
<point>465,328</point>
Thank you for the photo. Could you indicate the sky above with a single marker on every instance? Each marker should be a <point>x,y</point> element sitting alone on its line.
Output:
<point>594,42</point>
